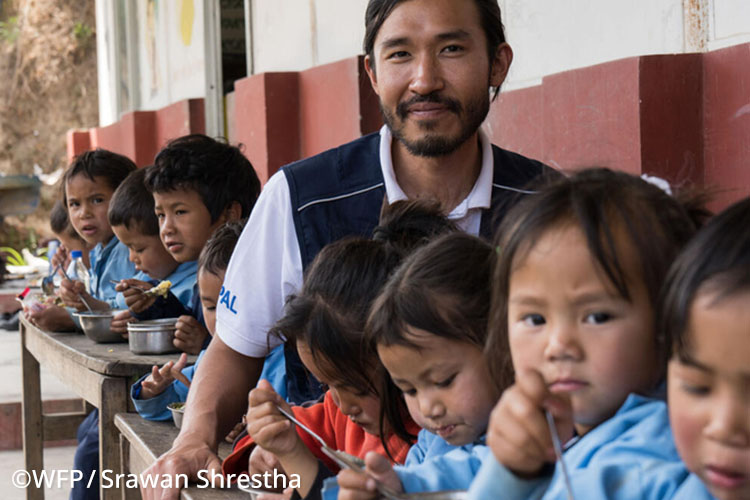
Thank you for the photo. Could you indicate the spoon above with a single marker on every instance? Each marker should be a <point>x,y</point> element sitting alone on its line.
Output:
<point>557,445</point>
<point>48,282</point>
<point>80,297</point>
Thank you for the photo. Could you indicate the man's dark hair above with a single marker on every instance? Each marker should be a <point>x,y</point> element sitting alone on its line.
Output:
<point>132,205</point>
<point>217,171</point>
<point>214,257</point>
<point>489,16</point>
<point>99,163</point>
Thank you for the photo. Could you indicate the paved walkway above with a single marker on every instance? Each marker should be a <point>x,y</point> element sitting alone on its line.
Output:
<point>60,458</point>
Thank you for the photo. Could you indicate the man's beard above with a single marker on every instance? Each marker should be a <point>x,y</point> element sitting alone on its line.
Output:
<point>434,145</point>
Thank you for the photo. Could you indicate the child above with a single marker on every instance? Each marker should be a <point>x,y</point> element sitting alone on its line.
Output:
<point>69,239</point>
<point>580,267</point>
<point>153,392</point>
<point>198,184</point>
<point>50,317</point>
<point>88,185</point>
<point>326,323</point>
<point>429,325</point>
<point>131,215</point>
<point>706,315</point>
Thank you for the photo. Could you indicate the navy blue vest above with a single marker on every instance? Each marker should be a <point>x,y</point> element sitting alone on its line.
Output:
<point>340,192</point>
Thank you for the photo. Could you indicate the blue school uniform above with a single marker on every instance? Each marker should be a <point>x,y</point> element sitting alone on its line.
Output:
<point>109,262</point>
<point>631,455</point>
<point>156,408</point>
<point>432,464</point>
<point>693,489</point>
<point>183,280</point>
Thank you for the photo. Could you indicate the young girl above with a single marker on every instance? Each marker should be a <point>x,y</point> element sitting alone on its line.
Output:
<point>430,325</point>
<point>706,314</point>
<point>326,322</point>
<point>580,266</point>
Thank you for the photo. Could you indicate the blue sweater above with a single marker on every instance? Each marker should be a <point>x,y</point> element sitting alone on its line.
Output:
<point>432,465</point>
<point>110,262</point>
<point>156,408</point>
<point>631,455</point>
<point>183,280</point>
<point>693,489</point>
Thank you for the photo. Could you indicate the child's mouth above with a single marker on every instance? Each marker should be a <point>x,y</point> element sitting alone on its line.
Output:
<point>445,431</point>
<point>724,478</point>
<point>88,230</point>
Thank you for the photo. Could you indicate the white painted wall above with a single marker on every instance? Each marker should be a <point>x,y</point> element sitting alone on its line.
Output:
<point>548,36</point>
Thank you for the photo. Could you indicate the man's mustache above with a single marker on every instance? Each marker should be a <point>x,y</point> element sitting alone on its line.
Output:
<point>402,110</point>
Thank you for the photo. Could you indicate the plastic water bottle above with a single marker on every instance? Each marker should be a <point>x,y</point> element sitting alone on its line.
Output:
<point>80,272</point>
<point>52,247</point>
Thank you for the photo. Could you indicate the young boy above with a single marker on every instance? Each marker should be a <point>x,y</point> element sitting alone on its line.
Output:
<point>153,392</point>
<point>69,239</point>
<point>198,184</point>
<point>131,215</point>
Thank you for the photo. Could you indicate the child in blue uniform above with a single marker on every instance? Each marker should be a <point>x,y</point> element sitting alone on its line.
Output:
<point>579,271</point>
<point>153,392</point>
<point>198,184</point>
<point>131,215</point>
<point>706,314</point>
<point>430,324</point>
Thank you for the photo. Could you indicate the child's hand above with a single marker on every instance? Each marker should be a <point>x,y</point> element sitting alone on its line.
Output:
<point>120,322</point>
<point>518,433</point>
<point>189,335</point>
<point>238,428</point>
<point>160,378</point>
<point>355,485</point>
<point>267,426</point>
<point>51,319</point>
<point>60,258</point>
<point>70,291</point>
<point>262,460</point>
<point>135,299</point>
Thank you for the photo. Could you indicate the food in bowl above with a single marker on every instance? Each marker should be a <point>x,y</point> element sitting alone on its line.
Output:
<point>178,410</point>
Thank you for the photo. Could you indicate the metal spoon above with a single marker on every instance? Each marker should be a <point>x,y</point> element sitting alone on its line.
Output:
<point>559,453</point>
<point>80,297</point>
<point>48,282</point>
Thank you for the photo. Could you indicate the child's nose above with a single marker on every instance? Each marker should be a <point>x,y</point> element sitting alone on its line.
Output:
<point>562,343</point>
<point>730,422</point>
<point>430,406</point>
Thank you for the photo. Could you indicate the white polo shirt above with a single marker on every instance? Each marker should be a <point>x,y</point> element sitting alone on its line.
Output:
<point>266,266</point>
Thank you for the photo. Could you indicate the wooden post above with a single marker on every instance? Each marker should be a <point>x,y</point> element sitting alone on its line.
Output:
<point>32,417</point>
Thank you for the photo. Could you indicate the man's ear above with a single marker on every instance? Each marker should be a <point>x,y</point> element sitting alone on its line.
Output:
<point>370,68</point>
<point>500,65</point>
<point>233,212</point>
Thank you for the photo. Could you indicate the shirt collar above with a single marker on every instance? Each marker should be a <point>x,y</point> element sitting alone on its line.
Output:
<point>480,195</point>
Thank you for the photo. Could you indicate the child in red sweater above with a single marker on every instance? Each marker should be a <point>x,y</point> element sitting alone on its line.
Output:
<point>325,322</point>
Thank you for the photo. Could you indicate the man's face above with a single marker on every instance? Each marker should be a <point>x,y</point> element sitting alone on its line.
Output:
<point>432,73</point>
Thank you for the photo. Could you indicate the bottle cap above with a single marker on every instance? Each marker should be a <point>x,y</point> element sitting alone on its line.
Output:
<point>76,254</point>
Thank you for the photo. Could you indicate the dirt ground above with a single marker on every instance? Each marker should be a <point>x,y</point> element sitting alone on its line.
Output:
<point>48,70</point>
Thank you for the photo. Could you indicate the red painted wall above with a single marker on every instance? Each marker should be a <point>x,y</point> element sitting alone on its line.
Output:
<point>685,117</point>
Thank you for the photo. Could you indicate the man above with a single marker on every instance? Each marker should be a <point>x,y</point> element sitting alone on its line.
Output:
<point>432,64</point>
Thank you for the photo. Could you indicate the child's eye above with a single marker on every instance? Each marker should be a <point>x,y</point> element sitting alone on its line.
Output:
<point>180,212</point>
<point>533,319</point>
<point>159,215</point>
<point>409,392</point>
<point>97,201</point>
<point>211,308</point>
<point>447,382</point>
<point>696,390</point>
<point>399,54</point>
<point>597,318</point>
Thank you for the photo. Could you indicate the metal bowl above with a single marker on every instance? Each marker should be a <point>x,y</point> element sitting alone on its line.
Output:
<point>153,336</point>
<point>178,410</point>
<point>95,326</point>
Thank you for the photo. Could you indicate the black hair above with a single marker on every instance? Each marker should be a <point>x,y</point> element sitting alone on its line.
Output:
<point>60,223</point>
<point>113,167</point>
<point>604,204</point>
<point>214,258</point>
<point>442,288</point>
<point>716,261</point>
<point>489,16</point>
<point>132,205</point>
<point>328,315</point>
<point>217,171</point>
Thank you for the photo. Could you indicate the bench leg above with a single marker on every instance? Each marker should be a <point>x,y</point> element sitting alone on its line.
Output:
<point>113,398</point>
